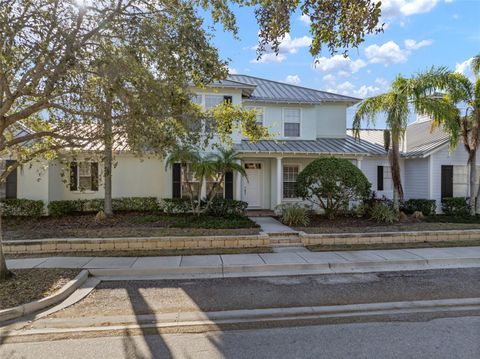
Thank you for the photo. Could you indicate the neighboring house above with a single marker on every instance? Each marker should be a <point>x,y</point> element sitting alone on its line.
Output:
<point>307,123</point>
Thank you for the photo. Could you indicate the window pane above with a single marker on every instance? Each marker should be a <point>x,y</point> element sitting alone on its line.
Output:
<point>292,129</point>
<point>212,101</point>
<point>85,183</point>
<point>197,99</point>
<point>84,169</point>
<point>290,174</point>
<point>291,114</point>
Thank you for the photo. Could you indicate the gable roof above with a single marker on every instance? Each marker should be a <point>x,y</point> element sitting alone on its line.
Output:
<point>328,146</point>
<point>422,139</point>
<point>274,91</point>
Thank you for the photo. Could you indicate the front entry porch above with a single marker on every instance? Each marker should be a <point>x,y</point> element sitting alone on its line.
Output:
<point>271,180</point>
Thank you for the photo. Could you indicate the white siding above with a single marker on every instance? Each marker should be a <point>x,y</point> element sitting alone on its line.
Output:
<point>33,181</point>
<point>443,157</point>
<point>416,178</point>
<point>331,121</point>
<point>369,168</point>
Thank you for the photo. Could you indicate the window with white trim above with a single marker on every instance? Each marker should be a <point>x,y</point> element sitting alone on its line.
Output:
<point>290,174</point>
<point>190,184</point>
<point>291,122</point>
<point>215,181</point>
<point>84,176</point>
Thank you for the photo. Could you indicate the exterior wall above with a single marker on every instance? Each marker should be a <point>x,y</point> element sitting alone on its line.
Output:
<point>132,177</point>
<point>458,159</point>
<point>33,181</point>
<point>331,121</point>
<point>369,168</point>
<point>417,178</point>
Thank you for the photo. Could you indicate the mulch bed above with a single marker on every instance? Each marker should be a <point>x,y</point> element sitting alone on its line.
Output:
<point>131,224</point>
<point>28,285</point>
<point>321,224</point>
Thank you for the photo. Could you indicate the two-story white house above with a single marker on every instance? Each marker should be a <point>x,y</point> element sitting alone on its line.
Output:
<point>307,123</point>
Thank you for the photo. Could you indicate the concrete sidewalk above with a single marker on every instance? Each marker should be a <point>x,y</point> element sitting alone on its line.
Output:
<point>230,265</point>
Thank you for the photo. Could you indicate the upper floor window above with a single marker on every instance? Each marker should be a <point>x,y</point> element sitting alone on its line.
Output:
<point>84,176</point>
<point>259,111</point>
<point>291,122</point>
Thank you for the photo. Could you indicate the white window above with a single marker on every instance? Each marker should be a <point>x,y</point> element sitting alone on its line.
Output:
<point>290,174</point>
<point>84,176</point>
<point>213,182</point>
<point>212,101</point>
<point>259,111</point>
<point>291,122</point>
<point>197,99</point>
<point>190,184</point>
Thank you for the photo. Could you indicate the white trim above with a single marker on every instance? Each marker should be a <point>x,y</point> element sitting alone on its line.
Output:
<point>300,168</point>
<point>299,122</point>
<point>86,191</point>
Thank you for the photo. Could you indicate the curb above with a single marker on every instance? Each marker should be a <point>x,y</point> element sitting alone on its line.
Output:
<point>109,274</point>
<point>244,316</point>
<point>58,296</point>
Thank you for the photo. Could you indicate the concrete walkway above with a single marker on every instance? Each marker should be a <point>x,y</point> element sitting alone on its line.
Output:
<point>230,265</point>
<point>271,225</point>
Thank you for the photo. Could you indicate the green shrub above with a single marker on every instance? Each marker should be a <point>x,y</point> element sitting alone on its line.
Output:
<point>294,214</point>
<point>426,206</point>
<point>383,213</point>
<point>332,183</point>
<point>226,207</point>
<point>138,204</point>
<point>20,207</point>
<point>455,206</point>
<point>175,205</point>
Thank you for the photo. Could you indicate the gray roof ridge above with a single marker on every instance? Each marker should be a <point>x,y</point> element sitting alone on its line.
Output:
<point>300,87</point>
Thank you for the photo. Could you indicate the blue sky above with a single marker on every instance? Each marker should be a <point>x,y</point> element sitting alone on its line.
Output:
<point>418,34</point>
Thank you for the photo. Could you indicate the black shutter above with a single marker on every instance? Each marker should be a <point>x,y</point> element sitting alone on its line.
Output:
<point>176,180</point>
<point>229,185</point>
<point>73,176</point>
<point>227,99</point>
<point>94,173</point>
<point>447,181</point>
<point>380,178</point>
<point>11,183</point>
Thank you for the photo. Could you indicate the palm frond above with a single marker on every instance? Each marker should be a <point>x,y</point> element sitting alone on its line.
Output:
<point>368,111</point>
<point>476,65</point>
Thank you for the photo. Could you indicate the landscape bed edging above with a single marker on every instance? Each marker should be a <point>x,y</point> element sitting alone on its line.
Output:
<point>309,239</point>
<point>57,297</point>
<point>52,245</point>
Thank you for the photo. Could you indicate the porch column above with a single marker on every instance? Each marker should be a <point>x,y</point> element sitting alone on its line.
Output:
<point>359,163</point>
<point>238,184</point>
<point>279,181</point>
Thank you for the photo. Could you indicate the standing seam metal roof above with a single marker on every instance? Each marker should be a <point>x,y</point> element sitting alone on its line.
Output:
<point>274,91</point>
<point>342,146</point>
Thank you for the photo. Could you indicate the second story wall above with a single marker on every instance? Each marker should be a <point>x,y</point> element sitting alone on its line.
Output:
<point>331,121</point>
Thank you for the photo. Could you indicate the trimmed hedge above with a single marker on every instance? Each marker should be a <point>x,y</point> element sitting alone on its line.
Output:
<point>20,207</point>
<point>426,206</point>
<point>455,206</point>
<point>139,204</point>
<point>219,207</point>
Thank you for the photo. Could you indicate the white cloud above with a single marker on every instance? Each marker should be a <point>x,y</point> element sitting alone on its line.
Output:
<point>292,79</point>
<point>465,68</point>
<point>232,71</point>
<point>288,45</point>
<point>269,58</point>
<point>339,63</point>
<point>329,78</point>
<point>415,45</point>
<point>394,8</point>
<point>305,19</point>
<point>388,53</point>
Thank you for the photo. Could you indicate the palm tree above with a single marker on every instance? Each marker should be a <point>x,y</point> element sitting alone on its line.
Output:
<point>440,94</point>
<point>226,160</point>
<point>202,168</point>
<point>395,105</point>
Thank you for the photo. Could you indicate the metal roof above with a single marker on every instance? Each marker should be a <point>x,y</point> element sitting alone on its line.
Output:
<point>274,91</point>
<point>330,146</point>
<point>422,139</point>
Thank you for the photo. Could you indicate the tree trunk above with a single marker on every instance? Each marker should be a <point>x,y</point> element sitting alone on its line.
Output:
<point>473,176</point>
<point>108,156</point>
<point>4,272</point>
<point>394,157</point>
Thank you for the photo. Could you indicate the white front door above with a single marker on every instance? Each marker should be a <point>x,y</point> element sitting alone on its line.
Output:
<point>252,184</point>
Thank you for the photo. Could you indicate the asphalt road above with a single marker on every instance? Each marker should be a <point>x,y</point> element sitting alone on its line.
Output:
<point>149,297</point>
<point>439,338</point>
